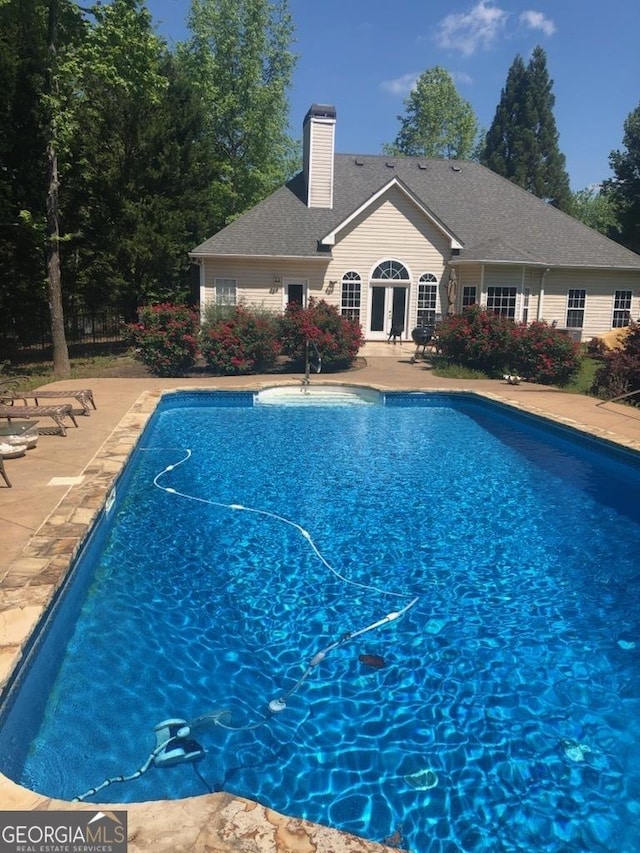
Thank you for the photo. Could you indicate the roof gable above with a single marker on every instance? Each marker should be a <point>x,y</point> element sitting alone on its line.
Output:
<point>330,238</point>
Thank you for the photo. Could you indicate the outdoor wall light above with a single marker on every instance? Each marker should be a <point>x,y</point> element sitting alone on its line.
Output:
<point>276,279</point>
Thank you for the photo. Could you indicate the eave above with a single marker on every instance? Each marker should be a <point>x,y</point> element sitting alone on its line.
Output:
<point>240,256</point>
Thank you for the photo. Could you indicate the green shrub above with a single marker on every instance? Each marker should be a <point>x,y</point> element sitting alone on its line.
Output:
<point>541,353</point>
<point>336,339</point>
<point>620,371</point>
<point>597,348</point>
<point>493,344</point>
<point>478,339</point>
<point>243,342</point>
<point>165,338</point>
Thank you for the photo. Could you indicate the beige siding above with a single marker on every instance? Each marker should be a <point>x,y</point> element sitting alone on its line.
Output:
<point>552,305</point>
<point>600,287</point>
<point>392,229</point>
<point>514,276</point>
<point>468,276</point>
<point>502,276</point>
<point>261,282</point>
<point>319,168</point>
<point>531,280</point>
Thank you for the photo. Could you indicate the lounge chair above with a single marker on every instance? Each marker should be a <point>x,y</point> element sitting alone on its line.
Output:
<point>3,473</point>
<point>56,413</point>
<point>9,392</point>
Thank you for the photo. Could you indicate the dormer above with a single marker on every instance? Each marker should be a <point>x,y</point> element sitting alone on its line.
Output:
<point>318,135</point>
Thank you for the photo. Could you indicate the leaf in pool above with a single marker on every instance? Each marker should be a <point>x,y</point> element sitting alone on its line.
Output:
<point>423,780</point>
<point>375,661</point>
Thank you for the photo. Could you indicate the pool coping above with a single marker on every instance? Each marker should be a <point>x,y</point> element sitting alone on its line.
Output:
<point>220,821</point>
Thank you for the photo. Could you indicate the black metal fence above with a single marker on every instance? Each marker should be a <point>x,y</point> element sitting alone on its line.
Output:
<point>84,331</point>
<point>101,327</point>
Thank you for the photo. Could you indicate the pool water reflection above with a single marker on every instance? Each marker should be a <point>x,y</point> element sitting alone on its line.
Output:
<point>506,712</point>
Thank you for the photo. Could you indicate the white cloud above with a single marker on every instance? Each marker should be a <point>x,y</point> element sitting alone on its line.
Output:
<point>468,31</point>
<point>537,21</point>
<point>401,85</point>
<point>461,77</point>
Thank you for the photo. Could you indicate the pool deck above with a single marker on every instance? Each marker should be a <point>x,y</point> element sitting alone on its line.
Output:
<point>59,488</point>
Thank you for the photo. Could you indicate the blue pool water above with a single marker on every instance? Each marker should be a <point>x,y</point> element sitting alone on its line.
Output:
<point>507,714</point>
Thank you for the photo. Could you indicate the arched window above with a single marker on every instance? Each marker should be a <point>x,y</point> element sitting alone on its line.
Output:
<point>390,271</point>
<point>351,294</point>
<point>427,299</point>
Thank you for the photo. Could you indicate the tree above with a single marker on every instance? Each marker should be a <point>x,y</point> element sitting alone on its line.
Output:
<point>522,142</point>
<point>240,63</point>
<point>503,151</point>
<point>438,121</point>
<point>23,140</point>
<point>61,364</point>
<point>138,185</point>
<point>624,187</point>
<point>595,208</point>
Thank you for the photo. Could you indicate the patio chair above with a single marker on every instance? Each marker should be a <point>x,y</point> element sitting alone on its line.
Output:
<point>56,413</point>
<point>3,473</point>
<point>9,392</point>
<point>395,332</point>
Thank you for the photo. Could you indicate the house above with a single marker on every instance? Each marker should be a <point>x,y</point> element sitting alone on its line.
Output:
<point>397,241</point>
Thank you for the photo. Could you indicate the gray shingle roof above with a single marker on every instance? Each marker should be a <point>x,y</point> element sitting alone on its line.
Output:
<point>494,219</point>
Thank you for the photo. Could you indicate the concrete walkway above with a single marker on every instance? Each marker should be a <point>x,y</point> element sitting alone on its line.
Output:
<point>59,488</point>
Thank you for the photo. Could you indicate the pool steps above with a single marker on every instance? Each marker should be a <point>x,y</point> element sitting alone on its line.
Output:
<point>326,395</point>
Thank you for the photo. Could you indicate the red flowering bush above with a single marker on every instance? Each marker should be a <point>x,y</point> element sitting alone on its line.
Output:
<point>336,339</point>
<point>245,341</point>
<point>165,338</point>
<point>495,345</point>
<point>476,338</point>
<point>541,353</point>
<point>620,370</point>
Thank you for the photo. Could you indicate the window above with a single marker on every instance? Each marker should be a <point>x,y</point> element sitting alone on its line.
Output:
<point>225,291</point>
<point>351,291</point>
<point>575,309</point>
<point>502,300</point>
<point>427,297</point>
<point>392,270</point>
<point>469,296</point>
<point>621,309</point>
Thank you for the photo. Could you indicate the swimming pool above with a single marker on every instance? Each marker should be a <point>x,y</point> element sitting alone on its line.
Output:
<point>506,711</point>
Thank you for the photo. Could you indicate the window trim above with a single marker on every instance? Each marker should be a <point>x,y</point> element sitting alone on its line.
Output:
<point>353,293</point>
<point>390,271</point>
<point>466,294</point>
<point>232,284</point>
<point>427,299</point>
<point>618,310</point>
<point>576,306</point>
<point>510,304</point>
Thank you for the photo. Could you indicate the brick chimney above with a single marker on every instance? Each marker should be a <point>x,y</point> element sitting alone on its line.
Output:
<point>318,134</point>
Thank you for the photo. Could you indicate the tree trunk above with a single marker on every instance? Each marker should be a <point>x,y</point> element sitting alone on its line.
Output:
<point>61,365</point>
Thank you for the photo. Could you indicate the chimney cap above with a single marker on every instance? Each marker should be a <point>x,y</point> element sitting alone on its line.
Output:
<point>320,111</point>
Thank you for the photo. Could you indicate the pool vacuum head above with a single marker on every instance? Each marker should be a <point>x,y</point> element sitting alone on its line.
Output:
<point>174,745</point>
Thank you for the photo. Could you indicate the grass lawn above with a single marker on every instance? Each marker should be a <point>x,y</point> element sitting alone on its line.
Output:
<point>584,380</point>
<point>34,369</point>
<point>580,385</point>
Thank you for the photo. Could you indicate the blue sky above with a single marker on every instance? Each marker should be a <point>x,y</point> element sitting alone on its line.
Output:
<point>362,56</point>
